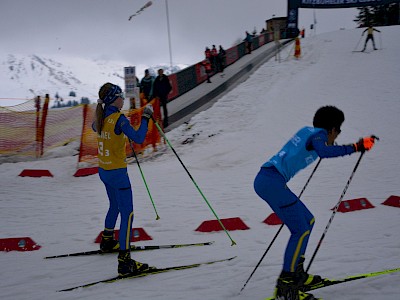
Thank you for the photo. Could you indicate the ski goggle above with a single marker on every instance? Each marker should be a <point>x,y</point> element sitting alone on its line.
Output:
<point>121,95</point>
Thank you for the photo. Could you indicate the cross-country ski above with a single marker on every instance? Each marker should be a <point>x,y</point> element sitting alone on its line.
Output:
<point>151,271</point>
<point>330,282</point>
<point>133,248</point>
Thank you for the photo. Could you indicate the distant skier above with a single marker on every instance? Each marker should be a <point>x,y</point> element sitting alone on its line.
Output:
<point>270,184</point>
<point>370,36</point>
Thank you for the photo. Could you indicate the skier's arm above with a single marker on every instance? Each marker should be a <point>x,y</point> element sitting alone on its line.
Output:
<point>138,136</point>
<point>319,143</point>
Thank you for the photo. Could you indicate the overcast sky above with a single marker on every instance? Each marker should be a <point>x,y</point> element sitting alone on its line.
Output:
<point>100,29</point>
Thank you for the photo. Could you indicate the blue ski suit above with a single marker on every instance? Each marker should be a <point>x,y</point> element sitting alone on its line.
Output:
<point>113,170</point>
<point>300,151</point>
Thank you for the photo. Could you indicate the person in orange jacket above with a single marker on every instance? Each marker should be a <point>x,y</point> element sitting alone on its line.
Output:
<point>207,66</point>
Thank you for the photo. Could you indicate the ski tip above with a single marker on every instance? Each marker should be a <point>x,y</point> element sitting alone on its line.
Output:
<point>209,243</point>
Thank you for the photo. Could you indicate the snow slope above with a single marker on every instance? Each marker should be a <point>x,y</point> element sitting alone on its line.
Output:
<point>25,76</point>
<point>229,143</point>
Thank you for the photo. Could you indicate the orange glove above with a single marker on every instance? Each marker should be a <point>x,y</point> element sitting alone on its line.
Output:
<point>365,144</point>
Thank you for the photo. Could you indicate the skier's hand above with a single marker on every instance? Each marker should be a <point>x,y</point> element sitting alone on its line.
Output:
<point>148,111</point>
<point>365,144</point>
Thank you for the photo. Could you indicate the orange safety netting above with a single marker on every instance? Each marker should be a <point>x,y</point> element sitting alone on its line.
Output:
<point>29,129</point>
<point>88,148</point>
<point>18,131</point>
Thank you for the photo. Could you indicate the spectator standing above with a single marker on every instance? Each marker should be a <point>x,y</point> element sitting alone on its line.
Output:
<point>249,42</point>
<point>303,32</point>
<point>161,89</point>
<point>146,85</point>
<point>221,59</point>
<point>207,53</point>
<point>214,58</point>
<point>208,68</point>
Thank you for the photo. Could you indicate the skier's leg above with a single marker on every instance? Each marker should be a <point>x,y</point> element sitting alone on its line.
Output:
<point>300,222</point>
<point>373,42</point>
<point>108,243</point>
<point>112,213</point>
<point>365,44</point>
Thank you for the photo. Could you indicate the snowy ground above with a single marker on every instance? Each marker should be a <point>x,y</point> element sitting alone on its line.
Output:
<point>231,140</point>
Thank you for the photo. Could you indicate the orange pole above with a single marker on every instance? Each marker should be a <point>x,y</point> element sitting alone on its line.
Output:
<point>38,129</point>
<point>44,117</point>
<point>85,112</point>
<point>297,48</point>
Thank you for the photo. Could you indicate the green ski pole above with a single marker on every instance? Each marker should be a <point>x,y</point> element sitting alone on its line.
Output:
<point>144,180</point>
<point>194,182</point>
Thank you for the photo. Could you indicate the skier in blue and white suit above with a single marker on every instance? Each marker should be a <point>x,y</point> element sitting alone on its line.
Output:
<point>270,184</point>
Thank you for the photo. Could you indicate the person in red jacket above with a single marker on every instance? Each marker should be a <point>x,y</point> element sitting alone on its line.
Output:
<point>207,53</point>
<point>207,66</point>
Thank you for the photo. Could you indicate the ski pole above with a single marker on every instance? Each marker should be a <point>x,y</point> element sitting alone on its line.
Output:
<point>144,180</point>
<point>279,230</point>
<point>355,48</point>
<point>194,182</point>
<point>335,210</point>
<point>380,40</point>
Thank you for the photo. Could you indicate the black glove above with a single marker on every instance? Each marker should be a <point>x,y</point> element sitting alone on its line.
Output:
<point>148,112</point>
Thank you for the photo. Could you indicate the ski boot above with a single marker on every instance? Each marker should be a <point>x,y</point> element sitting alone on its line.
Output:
<point>303,277</point>
<point>287,288</point>
<point>128,266</point>
<point>108,244</point>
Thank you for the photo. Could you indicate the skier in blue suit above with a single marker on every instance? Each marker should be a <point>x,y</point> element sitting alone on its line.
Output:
<point>270,184</point>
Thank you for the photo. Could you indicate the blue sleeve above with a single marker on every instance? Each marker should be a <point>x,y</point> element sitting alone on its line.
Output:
<point>123,126</point>
<point>318,142</point>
